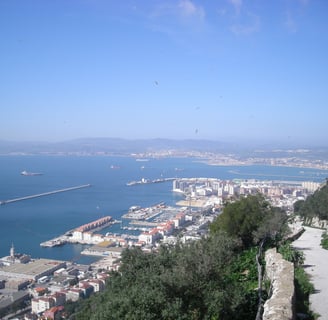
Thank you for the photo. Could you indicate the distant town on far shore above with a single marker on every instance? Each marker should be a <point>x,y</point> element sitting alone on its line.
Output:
<point>212,152</point>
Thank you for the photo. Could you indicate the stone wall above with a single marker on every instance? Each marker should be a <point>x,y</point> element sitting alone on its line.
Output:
<point>315,222</point>
<point>281,275</point>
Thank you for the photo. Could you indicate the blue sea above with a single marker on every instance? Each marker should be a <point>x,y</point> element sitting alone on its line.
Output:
<point>26,224</point>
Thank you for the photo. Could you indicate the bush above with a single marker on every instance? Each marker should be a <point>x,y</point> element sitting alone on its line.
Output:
<point>324,241</point>
<point>303,289</point>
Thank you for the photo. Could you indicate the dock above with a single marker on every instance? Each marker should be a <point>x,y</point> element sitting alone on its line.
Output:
<point>54,242</point>
<point>90,227</point>
<point>3,202</point>
<point>147,181</point>
<point>138,213</point>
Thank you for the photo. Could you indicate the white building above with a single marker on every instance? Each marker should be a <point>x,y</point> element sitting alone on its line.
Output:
<point>149,237</point>
<point>41,304</point>
<point>78,235</point>
<point>98,285</point>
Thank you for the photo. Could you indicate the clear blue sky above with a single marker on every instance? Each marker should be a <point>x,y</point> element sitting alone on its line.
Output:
<point>223,69</point>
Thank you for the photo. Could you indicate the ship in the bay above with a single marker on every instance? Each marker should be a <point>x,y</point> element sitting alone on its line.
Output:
<point>27,173</point>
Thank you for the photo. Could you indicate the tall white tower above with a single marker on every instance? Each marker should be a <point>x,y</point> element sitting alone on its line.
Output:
<point>12,251</point>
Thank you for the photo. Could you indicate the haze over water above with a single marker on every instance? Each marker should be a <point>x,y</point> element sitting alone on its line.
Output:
<point>28,223</point>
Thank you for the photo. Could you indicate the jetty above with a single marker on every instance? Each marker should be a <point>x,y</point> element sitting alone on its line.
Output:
<point>44,194</point>
<point>82,234</point>
<point>138,213</point>
<point>148,181</point>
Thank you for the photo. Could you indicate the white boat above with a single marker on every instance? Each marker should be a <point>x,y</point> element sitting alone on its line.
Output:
<point>26,173</point>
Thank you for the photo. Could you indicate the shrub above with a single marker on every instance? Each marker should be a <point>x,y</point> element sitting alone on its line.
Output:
<point>324,241</point>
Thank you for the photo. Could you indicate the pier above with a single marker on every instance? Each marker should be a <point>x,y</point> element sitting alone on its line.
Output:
<point>76,235</point>
<point>3,202</point>
<point>147,181</point>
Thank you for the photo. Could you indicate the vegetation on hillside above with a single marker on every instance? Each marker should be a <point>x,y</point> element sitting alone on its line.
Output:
<point>315,205</point>
<point>213,278</point>
<point>252,219</point>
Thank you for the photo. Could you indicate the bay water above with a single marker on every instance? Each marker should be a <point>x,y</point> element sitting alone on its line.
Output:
<point>26,224</point>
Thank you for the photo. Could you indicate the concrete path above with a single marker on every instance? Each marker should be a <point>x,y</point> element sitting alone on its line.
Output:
<point>316,265</point>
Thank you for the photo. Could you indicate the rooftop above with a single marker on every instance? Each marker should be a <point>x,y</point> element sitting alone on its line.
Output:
<point>33,268</point>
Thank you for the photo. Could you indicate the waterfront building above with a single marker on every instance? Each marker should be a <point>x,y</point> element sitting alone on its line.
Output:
<point>97,238</point>
<point>77,235</point>
<point>95,224</point>
<point>33,270</point>
<point>14,258</point>
<point>87,236</point>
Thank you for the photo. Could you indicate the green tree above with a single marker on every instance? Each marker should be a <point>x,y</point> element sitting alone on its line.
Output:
<point>248,219</point>
<point>315,205</point>
<point>197,280</point>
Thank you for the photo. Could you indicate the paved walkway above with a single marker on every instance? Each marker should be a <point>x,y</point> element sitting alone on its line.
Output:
<point>316,265</point>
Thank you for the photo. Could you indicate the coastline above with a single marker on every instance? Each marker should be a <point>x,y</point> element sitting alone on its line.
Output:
<point>27,224</point>
<point>292,159</point>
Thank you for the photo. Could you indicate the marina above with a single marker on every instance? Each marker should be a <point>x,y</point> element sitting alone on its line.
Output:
<point>138,213</point>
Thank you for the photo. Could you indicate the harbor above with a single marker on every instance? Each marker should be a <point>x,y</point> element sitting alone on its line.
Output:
<point>28,223</point>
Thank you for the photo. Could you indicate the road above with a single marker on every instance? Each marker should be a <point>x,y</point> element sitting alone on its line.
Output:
<point>316,265</point>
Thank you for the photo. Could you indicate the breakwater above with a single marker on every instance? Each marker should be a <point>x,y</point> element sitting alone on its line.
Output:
<point>3,202</point>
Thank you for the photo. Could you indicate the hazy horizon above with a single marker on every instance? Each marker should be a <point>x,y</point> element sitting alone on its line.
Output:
<point>233,142</point>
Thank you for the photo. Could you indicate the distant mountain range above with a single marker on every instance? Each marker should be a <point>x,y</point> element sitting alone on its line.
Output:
<point>110,145</point>
<point>118,146</point>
